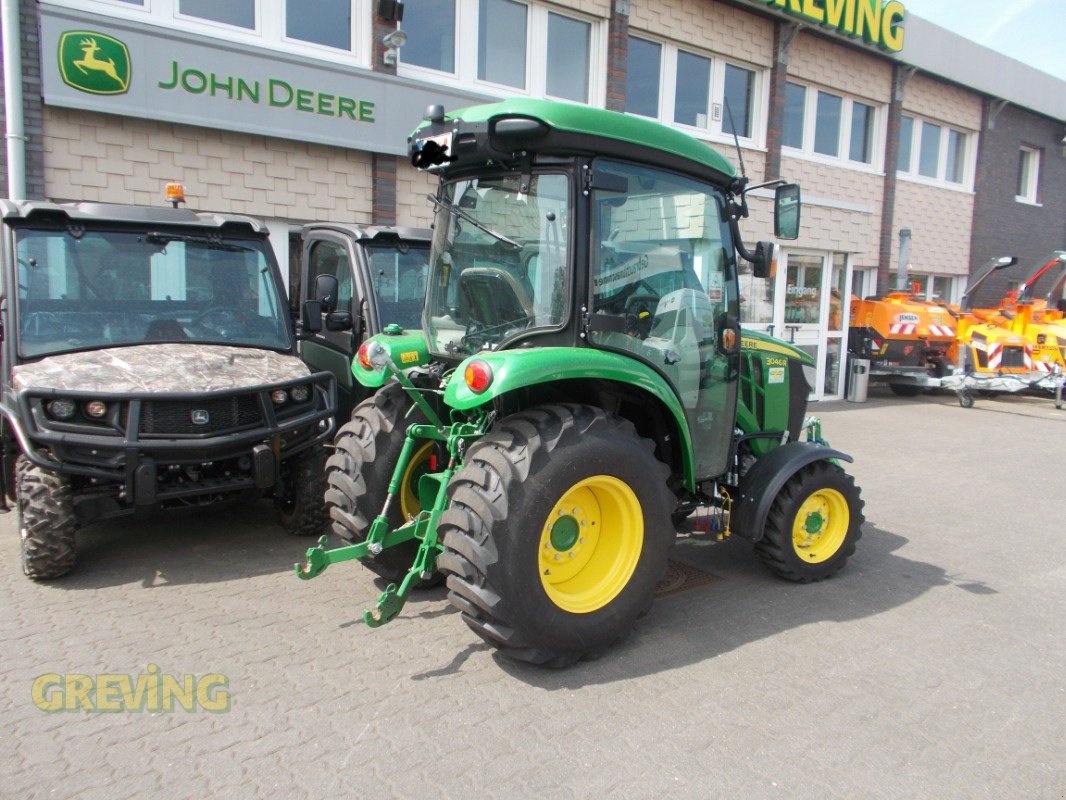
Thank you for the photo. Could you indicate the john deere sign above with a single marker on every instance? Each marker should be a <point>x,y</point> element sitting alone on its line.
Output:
<point>94,62</point>
<point>125,67</point>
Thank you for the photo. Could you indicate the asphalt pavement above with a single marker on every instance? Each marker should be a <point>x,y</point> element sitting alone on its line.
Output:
<point>930,667</point>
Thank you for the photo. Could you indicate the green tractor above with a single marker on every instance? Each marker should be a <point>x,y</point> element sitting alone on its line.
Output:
<point>579,388</point>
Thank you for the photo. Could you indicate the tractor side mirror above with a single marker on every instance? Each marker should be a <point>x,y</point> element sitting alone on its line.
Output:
<point>765,263</point>
<point>326,290</point>
<point>787,211</point>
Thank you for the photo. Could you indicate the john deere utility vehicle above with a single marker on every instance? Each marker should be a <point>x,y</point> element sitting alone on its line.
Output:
<point>580,385</point>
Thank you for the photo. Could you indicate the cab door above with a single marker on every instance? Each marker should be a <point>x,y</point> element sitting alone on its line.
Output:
<point>664,290</point>
<point>327,254</point>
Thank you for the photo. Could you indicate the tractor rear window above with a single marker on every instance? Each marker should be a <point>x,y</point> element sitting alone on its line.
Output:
<point>498,266</point>
<point>103,289</point>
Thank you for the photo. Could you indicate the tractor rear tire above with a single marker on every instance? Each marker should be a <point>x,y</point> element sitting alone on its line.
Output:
<point>366,451</point>
<point>813,524</point>
<point>556,534</point>
<point>302,512</point>
<point>46,521</point>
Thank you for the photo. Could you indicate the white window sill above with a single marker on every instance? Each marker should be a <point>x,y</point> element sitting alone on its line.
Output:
<point>831,161</point>
<point>937,184</point>
<point>1025,201</point>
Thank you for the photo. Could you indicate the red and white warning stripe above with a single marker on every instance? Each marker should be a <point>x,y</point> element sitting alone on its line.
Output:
<point>903,328</point>
<point>941,330</point>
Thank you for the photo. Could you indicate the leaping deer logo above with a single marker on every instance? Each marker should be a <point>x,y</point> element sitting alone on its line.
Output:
<point>94,62</point>
<point>90,62</point>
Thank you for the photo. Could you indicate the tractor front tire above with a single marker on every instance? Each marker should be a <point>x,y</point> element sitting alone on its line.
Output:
<point>301,512</point>
<point>556,533</point>
<point>46,521</point>
<point>367,449</point>
<point>813,524</point>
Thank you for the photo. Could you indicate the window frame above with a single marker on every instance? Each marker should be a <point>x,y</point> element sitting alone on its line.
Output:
<point>717,117</point>
<point>842,158</point>
<point>1032,193</point>
<point>269,31</point>
<point>536,75</point>
<point>968,147</point>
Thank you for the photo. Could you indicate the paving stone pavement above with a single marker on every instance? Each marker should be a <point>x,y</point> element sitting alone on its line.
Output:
<point>931,667</point>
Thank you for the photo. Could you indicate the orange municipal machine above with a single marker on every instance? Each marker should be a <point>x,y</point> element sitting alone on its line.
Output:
<point>1020,345</point>
<point>908,340</point>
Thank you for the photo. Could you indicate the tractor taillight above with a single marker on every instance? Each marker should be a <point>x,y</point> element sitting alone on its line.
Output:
<point>478,376</point>
<point>363,357</point>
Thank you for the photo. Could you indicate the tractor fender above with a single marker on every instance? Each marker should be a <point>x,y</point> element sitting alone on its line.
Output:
<point>767,477</point>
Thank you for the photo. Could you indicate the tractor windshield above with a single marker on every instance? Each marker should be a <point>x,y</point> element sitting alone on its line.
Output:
<point>498,263</point>
<point>98,289</point>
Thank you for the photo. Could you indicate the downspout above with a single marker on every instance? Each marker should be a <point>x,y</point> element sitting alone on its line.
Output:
<point>13,111</point>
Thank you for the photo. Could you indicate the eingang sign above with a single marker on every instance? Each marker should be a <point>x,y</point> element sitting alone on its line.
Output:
<point>124,67</point>
<point>877,22</point>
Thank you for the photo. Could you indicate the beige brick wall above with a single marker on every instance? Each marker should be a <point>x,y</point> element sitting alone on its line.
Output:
<point>834,228</point>
<point>594,8</point>
<point>98,157</point>
<point>412,186</point>
<point>942,101</point>
<point>840,68</point>
<point>940,221</point>
<point>716,27</point>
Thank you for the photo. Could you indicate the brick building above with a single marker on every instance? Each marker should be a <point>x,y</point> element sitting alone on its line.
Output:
<point>295,112</point>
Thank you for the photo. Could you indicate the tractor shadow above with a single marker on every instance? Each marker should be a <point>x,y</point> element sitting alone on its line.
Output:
<point>743,603</point>
<point>222,543</point>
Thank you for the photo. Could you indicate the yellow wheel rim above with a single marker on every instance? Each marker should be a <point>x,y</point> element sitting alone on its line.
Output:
<point>416,468</point>
<point>820,526</point>
<point>590,544</point>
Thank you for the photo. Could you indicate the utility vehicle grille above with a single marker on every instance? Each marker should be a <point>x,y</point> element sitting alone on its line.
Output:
<point>168,418</point>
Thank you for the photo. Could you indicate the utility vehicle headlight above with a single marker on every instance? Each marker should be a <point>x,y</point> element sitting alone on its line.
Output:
<point>62,409</point>
<point>96,408</point>
<point>300,393</point>
<point>279,396</point>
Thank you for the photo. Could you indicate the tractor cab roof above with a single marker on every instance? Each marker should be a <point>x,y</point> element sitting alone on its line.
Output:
<point>511,131</point>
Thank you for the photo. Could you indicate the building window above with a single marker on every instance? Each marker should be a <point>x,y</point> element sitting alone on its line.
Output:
<point>504,43</point>
<point>568,58</point>
<point>430,29</point>
<point>1028,174</point>
<point>826,124</point>
<point>327,22</point>
<point>698,91</point>
<point>501,46</point>
<point>932,287</point>
<point>643,66</point>
<point>934,152</point>
<point>240,13</point>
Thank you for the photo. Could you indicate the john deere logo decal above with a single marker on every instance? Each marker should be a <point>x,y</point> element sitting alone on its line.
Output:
<point>94,62</point>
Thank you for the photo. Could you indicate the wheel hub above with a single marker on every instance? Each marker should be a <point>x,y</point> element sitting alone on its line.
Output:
<point>565,533</point>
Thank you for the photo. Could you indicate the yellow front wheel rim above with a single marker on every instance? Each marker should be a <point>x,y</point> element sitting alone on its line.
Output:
<point>416,468</point>
<point>590,544</point>
<point>820,526</point>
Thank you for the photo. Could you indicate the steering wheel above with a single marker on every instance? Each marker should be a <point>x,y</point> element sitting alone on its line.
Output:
<point>218,319</point>
<point>618,301</point>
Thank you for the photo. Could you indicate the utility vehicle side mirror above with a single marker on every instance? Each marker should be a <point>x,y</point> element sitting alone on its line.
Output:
<point>765,263</point>
<point>311,316</point>
<point>339,321</point>
<point>326,290</point>
<point>787,211</point>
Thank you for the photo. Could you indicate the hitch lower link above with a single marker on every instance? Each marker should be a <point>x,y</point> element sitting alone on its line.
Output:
<point>423,527</point>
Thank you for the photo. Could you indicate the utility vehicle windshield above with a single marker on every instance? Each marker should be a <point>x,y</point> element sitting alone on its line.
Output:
<point>107,288</point>
<point>499,261</point>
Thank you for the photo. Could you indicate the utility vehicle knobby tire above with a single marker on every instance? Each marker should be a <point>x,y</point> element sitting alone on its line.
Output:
<point>543,484</point>
<point>302,512</point>
<point>366,450</point>
<point>905,389</point>
<point>46,521</point>
<point>813,524</point>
